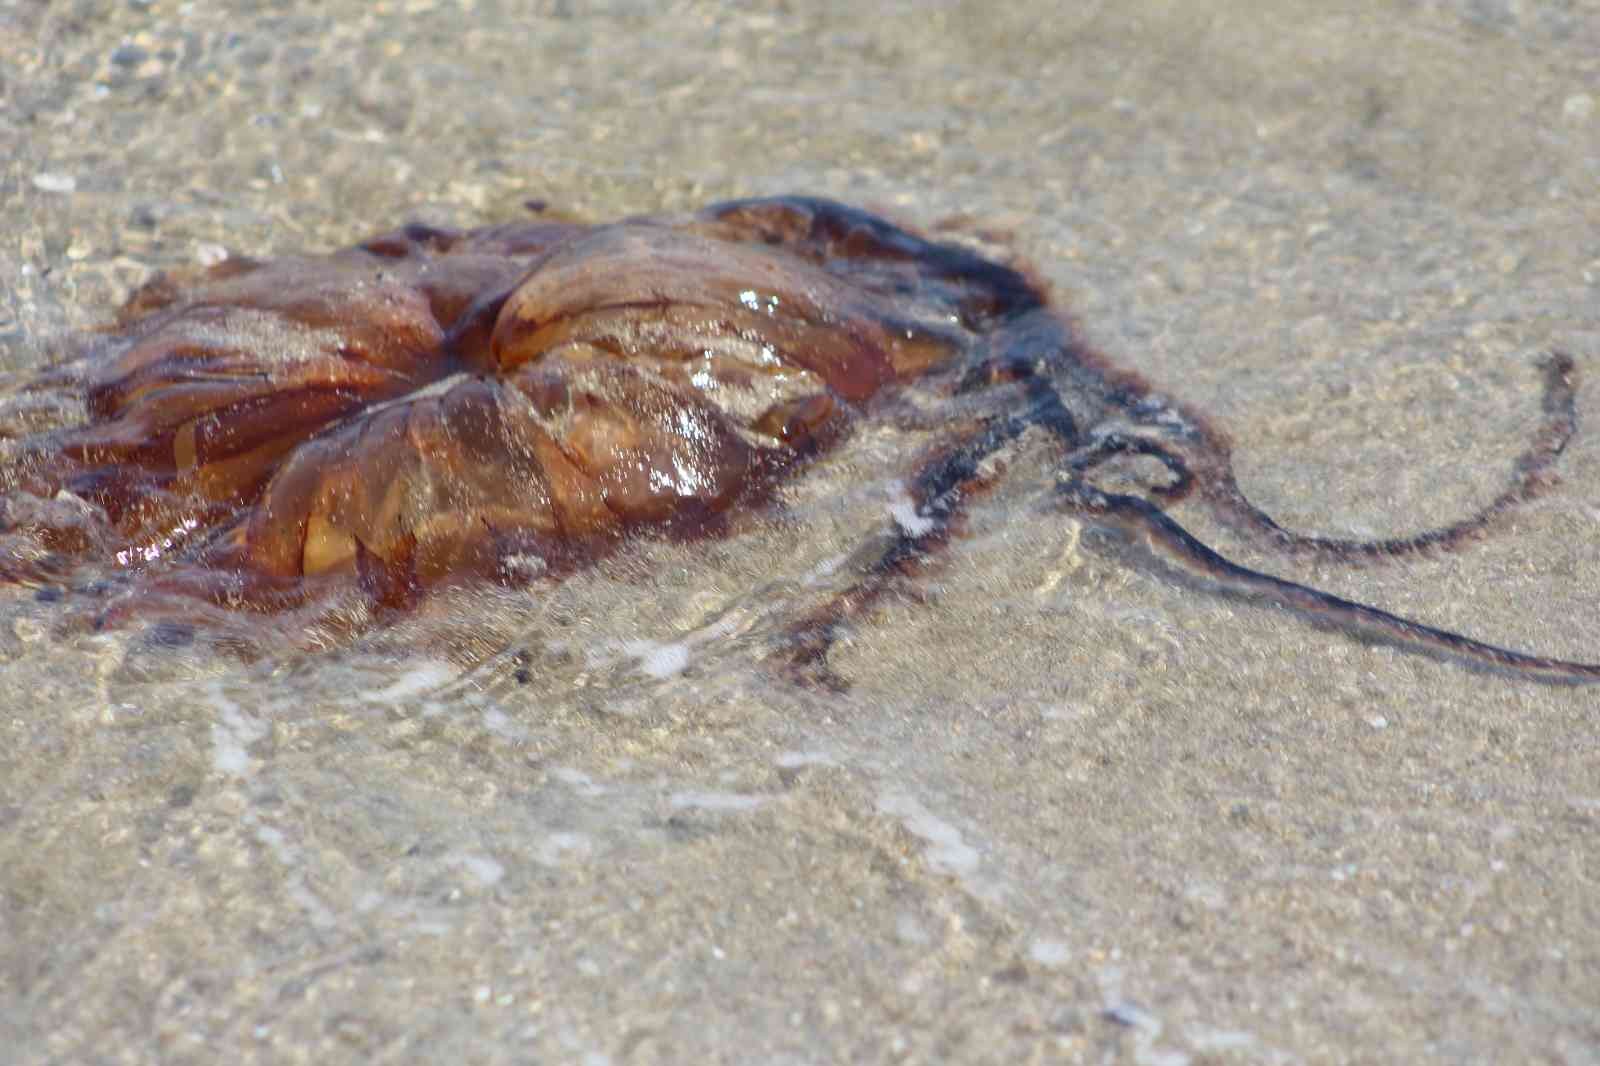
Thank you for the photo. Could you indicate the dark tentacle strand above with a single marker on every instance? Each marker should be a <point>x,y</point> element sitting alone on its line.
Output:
<point>942,486</point>
<point>1531,475</point>
<point>937,491</point>
<point>1172,545</point>
<point>1102,448</point>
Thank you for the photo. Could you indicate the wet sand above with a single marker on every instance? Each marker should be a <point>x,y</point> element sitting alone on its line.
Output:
<point>1066,810</point>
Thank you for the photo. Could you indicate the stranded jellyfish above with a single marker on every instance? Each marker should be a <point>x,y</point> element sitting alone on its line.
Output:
<point>434,407</point>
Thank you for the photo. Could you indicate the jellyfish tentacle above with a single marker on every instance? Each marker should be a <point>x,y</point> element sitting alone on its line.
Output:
<point>1106,446</point>
<point>1531,474</point>
<point>938,493</point>
<point>1148,528</point>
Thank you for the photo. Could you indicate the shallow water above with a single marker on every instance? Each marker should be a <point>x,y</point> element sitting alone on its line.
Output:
<point>1065,808</point>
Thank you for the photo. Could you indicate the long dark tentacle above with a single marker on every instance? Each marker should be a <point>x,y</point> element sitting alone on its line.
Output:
<point>1213,472</point>
<point>1170,544</point>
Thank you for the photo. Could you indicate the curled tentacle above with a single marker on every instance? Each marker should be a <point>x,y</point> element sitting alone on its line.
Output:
<point>1531,474</point>
<point>1107,446</point>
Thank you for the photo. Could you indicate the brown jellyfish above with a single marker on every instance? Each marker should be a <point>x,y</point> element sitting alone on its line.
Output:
<point>433,407</point>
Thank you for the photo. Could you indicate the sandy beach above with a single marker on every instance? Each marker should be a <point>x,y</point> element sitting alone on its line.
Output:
<point>1064,809</point>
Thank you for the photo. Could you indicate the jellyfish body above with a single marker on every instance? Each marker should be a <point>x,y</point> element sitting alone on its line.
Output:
<point>431,406</point>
